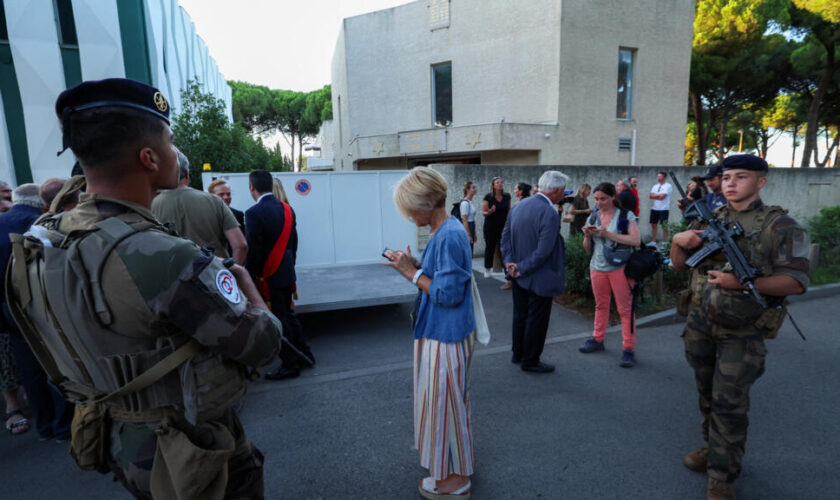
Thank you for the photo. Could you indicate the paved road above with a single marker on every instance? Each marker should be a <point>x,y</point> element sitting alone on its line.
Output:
<point>590,430</point>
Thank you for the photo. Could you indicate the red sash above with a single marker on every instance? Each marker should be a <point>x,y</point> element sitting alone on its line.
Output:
<point>276,256</point>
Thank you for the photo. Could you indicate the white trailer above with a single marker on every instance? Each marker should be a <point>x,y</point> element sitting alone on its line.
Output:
<point>344,221</point>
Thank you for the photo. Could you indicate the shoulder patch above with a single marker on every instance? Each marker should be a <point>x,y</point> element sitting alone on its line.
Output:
<point>227,286</point>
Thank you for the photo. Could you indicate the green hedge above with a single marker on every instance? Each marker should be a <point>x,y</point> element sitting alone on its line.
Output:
<point>824,229</point>
<point>577,267</point>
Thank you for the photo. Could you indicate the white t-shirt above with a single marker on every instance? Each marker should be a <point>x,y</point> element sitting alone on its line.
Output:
<point>665,203</point>
<point>468,209</point>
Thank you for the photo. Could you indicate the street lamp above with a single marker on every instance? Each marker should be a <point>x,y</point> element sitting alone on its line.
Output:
<point>740,139</point>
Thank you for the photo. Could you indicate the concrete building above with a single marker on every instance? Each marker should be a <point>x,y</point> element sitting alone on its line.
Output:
<point>569,82</point>
<point>47,46</point>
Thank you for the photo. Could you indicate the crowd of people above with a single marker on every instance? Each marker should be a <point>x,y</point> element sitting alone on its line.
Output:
<point>725,332</point>
<point>217,305</point>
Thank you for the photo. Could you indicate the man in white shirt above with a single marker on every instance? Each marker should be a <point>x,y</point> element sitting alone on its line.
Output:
<point>660,193</point>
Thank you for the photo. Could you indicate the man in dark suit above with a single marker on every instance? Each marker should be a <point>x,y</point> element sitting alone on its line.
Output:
<point>269,231</point>
<point>625,195</point>
<point>534,257</point>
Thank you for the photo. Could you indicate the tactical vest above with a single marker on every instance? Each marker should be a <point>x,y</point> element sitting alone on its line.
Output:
<point>54,284</point>
<point>738,308</point>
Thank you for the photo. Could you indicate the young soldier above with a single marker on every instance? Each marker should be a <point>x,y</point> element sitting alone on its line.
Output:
<point>726,327</point>
<point>151,334</point>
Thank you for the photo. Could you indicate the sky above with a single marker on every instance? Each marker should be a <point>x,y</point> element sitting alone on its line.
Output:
<point>282,44</point>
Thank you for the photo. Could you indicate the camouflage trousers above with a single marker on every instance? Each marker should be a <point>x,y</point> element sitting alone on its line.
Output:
<point>133,446</point>
<point>726,363</point>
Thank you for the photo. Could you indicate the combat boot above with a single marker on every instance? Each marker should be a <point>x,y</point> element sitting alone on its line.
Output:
<point>720,490</point>
<point>697,460</point>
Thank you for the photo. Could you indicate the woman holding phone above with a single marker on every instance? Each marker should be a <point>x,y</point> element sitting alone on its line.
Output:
<point>610,228</point>
<point>443,335</point>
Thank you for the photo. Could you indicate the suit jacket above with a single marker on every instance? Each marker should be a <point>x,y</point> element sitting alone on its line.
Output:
<point>531,239</point>
<point>263,225</point>
<point>240,218</point>
<point>17,220</point>
<point>627,200</point>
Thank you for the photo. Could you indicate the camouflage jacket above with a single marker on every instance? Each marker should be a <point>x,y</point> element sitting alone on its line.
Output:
<point>772,242</point>
<point>157,284</point>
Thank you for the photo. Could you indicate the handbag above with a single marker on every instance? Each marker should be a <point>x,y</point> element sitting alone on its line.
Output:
<point>568,217</point>
<point>617,255</point>
<point>482,331</point>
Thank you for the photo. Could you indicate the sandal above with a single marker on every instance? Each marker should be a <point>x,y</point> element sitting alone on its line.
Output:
<point>19,426</point>
<point>428,490</point>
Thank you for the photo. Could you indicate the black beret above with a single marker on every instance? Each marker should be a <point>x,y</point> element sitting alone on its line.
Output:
<point>713,171</point>
<point>744,162</point>
<point>120,92</point>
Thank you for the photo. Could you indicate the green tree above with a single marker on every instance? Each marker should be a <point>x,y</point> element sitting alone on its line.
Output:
<point>252,107</point>
<point>787,113</point>
<point>816,62</point>
<point>205,135</point>
<point>297,116</point>
<point>317,109</point>
<point>733,64</point>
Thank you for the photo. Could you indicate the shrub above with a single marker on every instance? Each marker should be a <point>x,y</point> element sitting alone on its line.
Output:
<point>825,229</point>
<point>577,267</point>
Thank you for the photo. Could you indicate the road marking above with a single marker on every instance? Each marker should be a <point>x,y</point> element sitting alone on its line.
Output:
<point>402,365</point>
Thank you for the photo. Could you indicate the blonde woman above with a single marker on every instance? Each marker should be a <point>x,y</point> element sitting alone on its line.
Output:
<point>278,191</point>
<point>443,335</point>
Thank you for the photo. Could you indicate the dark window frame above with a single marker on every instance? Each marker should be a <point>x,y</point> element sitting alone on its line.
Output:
<point>442,113</point>
<point>624,87</point>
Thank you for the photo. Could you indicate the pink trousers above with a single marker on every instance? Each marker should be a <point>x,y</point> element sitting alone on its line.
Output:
<point>616,282</point>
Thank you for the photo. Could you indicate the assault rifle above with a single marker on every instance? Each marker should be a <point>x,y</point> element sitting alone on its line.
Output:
<point>719,237</point>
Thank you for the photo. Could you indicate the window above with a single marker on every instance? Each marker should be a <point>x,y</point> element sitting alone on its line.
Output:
<point>442,94</point>
<point>625,144</point>
<point>66,23</point>
<point>624,107</point>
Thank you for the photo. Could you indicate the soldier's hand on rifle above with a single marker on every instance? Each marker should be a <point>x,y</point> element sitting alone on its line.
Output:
<point>724,280</point>
<point>688,240</point>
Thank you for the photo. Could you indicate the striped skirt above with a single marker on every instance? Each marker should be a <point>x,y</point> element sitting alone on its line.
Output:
<point>442,430</point>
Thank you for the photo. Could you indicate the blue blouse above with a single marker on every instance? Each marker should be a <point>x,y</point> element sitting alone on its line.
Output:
<point>446,312</point>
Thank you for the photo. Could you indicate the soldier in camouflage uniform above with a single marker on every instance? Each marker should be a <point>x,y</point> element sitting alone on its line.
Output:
<point>726,326</point>
<point>178,438</point>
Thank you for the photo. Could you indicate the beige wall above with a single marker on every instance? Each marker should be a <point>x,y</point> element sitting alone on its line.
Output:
<point>534,75</point>
<point>510,157</point>
<point>591,33</point>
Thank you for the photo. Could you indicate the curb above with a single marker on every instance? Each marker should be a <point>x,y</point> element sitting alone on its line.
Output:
<point>670,316</point>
